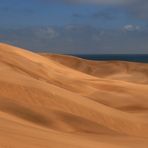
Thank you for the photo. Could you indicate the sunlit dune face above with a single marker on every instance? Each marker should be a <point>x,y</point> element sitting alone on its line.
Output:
<point>66,102</point>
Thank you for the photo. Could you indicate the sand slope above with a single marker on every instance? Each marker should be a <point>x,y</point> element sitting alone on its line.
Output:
<point>117,70</point>
<point>45,102</point>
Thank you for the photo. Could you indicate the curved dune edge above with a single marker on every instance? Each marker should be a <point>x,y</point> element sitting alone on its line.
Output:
<point>44,103</point>
<point>116,70</point>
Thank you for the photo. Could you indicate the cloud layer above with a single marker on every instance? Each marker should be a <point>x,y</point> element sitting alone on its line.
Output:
<point>88,1</point>
<point>79,39</point>
<point>138,8</point>
<point>96,26</point>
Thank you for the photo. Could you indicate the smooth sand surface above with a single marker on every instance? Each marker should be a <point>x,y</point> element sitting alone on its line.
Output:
<point>56,101</point>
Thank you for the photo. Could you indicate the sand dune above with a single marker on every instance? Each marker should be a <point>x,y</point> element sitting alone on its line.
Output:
<point>60,101</point>
<point>117,70</point>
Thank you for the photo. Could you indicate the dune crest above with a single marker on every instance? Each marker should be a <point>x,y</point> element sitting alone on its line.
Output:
<point>116,70</point>
<point>60,101</point>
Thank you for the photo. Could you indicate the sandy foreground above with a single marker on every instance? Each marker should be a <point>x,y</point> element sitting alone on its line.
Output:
<point>57,101</point>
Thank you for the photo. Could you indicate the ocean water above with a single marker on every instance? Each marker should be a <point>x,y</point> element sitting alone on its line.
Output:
<point>121,57</point>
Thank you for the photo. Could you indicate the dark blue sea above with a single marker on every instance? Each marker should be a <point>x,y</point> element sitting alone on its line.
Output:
<point>122,57</point>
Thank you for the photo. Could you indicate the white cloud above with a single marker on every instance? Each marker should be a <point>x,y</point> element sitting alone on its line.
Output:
<point>84,39</point>
<point>47,32</point>
<point>131,27</point>
<point>52,32</point>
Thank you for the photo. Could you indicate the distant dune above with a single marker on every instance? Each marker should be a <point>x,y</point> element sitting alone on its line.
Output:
<point>116,70</point>
<point>66,102</point>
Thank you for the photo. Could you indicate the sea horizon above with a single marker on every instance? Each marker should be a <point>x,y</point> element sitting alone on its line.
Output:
<point>111,57</point>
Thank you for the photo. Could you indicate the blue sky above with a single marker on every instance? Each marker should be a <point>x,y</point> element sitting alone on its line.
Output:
<point>76,26</point>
